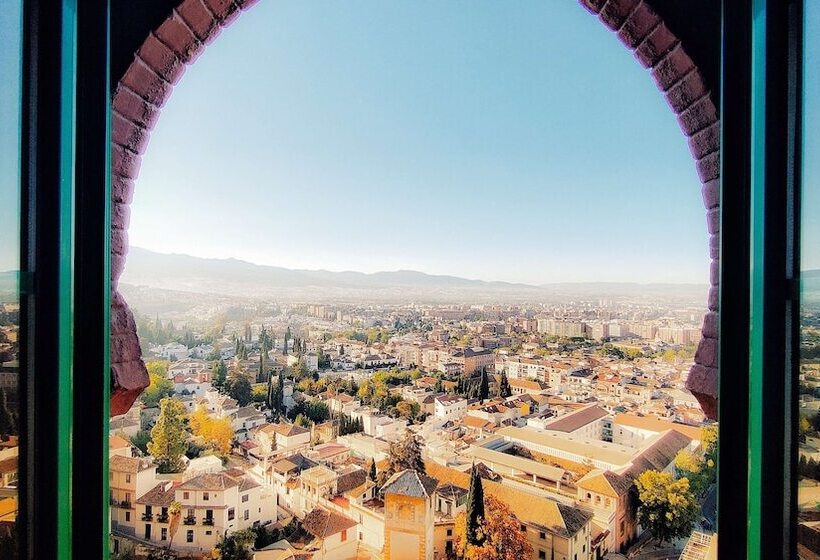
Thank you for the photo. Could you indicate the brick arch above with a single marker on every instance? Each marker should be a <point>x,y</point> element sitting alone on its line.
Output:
<point>161,60</point>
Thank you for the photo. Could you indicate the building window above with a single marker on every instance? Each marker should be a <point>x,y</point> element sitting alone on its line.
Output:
<point>231,514</point>
<point>163,534</point>
<point>205,496</point>
<point>244,498</point>
<point>127,478</point>
<point>186,495</point>
<point>209,532</point>
<point>128,516</point>
<point>523,528</point>
<point>344,535</point>
<point>542,555</point>
<point>247,515</point>
<point>189,537</point>
<point>449,532</point>
<point>542,535</point>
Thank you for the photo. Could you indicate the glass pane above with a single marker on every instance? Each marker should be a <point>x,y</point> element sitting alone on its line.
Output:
<point>808,495</point>
<point>10,51</point>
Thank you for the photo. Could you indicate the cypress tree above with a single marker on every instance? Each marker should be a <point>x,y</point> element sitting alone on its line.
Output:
<point>269,397</point>
<point>220,373</point>
<point>475,508</point>
<point>373,469</point>
<point>484,387</point>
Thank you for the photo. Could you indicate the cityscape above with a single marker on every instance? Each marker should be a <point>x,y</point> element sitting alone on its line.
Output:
<point>343,428</point>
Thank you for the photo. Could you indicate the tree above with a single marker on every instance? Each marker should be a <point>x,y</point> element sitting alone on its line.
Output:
<point>220,374</point>
<point>216,433</point>
<point>140,440</point>
<point>475,509</point>
<point>501,535</point>
<point>239,388</point>
<point>667,507</point>
<point>804,427</point>
<point>694,468</point>
<point>159,388</point>
<point>404,454</point>
<point>157,367</point>
<point>285,345</point>
<point>260,375</point>
<point>235,546</point>
<point>484,386</point>
<point>372,472</point>
<point>6,418</point>
<point>504,389</point>
<point>709,439</point>
<point>263,537</point>
<point>276,395</point>
<point>168,436</point>
<point>316,411</point>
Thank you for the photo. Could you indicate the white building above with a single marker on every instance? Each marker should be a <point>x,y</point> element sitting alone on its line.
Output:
<point>450,407</point>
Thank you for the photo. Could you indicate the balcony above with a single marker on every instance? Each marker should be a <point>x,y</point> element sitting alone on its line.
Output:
<point>163,518</point>
<point>121,504</point>
<point>147,517</point>
<point>208,521</point>
<point>190,520</point>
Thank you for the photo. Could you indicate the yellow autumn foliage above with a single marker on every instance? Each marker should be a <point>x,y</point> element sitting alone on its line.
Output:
<point>217,433</point>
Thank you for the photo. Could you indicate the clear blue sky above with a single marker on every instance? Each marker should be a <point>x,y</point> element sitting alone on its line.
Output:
<point>810,246</point>
<point>490,140</point>
<point>9,136</point>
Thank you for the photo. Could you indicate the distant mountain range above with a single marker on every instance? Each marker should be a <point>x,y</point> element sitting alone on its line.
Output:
<point>240,278</point>
<point>8,285</point>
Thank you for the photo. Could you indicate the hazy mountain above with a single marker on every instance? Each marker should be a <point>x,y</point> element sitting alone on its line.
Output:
<point>8,285</point>
<point>147,267</point>
<point>240,278</point>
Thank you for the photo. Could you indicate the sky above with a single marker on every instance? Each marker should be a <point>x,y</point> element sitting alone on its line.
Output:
<point>810,203</point>
<point>9,136</point>
<point>518,142</point>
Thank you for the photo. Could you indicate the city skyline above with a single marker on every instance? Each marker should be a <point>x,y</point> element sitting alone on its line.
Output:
<point>556,159</point>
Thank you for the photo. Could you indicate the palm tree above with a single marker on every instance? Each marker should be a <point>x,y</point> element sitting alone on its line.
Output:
<point>174,514</point>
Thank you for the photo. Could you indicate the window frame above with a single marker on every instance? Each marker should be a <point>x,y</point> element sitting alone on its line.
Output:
<point>65,270</point>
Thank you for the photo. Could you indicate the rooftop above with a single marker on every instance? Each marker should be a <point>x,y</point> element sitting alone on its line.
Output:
<point>130,465</point>
<point>410,483</point>
<point>605,452</point>
<point>322,523</point>
<point>576,420</point>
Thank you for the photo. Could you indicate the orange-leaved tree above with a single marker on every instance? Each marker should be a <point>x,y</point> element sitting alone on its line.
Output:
<point>501,536</point>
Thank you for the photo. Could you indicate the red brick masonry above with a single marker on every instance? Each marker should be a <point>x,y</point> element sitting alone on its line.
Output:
<point>161,60</point>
